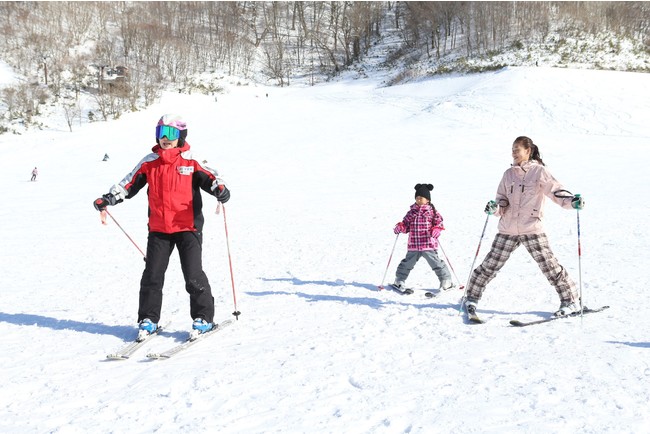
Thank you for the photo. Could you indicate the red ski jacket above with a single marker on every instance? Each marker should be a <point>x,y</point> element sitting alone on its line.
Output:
<point>174,180</point>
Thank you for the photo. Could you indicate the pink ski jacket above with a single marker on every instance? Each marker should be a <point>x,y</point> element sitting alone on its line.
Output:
<point>418,223</point>
<point>521,196</point>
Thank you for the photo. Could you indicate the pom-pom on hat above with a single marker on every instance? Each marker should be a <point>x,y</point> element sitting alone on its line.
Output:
<point>423,190</point>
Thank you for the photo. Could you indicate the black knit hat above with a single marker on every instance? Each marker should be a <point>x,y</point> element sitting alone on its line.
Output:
<point>423,190</point>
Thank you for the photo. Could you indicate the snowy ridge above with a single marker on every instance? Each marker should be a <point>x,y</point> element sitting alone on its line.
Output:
<point>319,176</point>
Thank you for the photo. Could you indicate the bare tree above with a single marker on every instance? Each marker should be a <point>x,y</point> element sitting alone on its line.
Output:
<point>70,112</point>
<point>170,43</point>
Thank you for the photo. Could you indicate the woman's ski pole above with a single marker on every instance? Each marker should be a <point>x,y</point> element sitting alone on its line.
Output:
<point>579,262</point>
<point>566,194</point>
<point>462,300</point>
<point>127,235</point>
<point>388,265</point>
<point>232,278</point>
<point>460,286</point>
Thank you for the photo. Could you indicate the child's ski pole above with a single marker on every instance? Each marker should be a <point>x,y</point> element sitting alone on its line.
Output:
<point>460,286</point>
<point>387,265</point>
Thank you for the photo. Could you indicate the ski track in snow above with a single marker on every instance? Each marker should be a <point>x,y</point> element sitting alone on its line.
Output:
<point>319,176</point>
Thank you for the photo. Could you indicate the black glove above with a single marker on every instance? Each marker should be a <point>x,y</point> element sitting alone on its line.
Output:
<point>107,199</point>
<point>222,193</point>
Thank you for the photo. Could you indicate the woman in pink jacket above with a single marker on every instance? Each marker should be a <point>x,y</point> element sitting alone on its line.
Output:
<point>519,204</point>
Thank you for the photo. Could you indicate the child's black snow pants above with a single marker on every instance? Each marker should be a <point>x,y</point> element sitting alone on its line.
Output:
<point>159,249</point>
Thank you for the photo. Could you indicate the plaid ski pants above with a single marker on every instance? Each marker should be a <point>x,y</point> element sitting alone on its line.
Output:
<point>537,246</point>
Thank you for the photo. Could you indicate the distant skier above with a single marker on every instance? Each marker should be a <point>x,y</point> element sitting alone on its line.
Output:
<point>175,220</point>
<point>105,157</point>
<point>34,174</point>
<point>423,223</point>
<point>519,204</point>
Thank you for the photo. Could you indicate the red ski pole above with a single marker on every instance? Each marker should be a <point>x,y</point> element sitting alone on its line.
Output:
<point>387,265</point>
<point>127,235</point>
<point>236,313</point>
<point>460,285</point>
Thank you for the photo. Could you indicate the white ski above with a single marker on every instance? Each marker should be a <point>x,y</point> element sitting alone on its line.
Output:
<point>190,341</point>
<point>127,351</point>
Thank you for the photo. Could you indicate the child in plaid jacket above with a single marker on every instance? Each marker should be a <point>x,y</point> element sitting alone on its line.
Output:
<point>423,223</point>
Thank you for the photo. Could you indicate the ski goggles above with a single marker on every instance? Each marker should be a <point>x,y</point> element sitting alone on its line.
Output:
<point>166,131</point>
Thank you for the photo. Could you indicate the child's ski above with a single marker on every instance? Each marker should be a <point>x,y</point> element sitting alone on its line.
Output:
<point>403,291</point>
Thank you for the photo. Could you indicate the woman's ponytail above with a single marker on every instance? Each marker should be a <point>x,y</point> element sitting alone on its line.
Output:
<point>527,143</point>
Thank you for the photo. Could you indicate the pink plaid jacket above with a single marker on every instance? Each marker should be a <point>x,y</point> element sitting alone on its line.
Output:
<point>418,223</point>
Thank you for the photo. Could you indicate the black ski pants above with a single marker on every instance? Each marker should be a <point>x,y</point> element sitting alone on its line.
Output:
<point>159,248</point>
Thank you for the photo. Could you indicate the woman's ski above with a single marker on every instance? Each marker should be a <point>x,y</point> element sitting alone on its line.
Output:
<point>585,311</point>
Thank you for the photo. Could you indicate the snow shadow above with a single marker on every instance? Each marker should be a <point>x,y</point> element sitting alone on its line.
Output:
<point>373,303</point>
<point>25,319</point>
<point>632,344</point>
<point>337,282</point>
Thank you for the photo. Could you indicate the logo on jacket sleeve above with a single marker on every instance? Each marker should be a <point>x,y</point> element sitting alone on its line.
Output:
<point>185,170</point>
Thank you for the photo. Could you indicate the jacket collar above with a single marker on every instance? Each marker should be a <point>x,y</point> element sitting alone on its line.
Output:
<point>156,149</point>
<point>526,166</point>
<point>169,155</point>
<point>417,207</point>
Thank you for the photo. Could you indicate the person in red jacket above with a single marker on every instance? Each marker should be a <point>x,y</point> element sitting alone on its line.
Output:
<point>174,180</point>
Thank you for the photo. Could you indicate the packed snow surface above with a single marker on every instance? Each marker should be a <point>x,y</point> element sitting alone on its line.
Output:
<point>319,176</point>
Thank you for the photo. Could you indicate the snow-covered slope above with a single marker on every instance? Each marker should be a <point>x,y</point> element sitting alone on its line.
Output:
<point>319,176</point>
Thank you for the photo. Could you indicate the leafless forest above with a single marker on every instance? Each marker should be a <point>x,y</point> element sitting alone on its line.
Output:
<point>63,48</point>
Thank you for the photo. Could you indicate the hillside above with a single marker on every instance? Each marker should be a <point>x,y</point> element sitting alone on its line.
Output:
<point>94,61</point>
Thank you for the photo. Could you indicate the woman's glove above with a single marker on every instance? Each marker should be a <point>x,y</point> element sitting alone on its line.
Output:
<point>577,202</point>
<point>491,207</point>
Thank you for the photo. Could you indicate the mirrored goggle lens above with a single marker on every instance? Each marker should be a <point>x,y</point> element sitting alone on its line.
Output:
<point>166,131</point>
